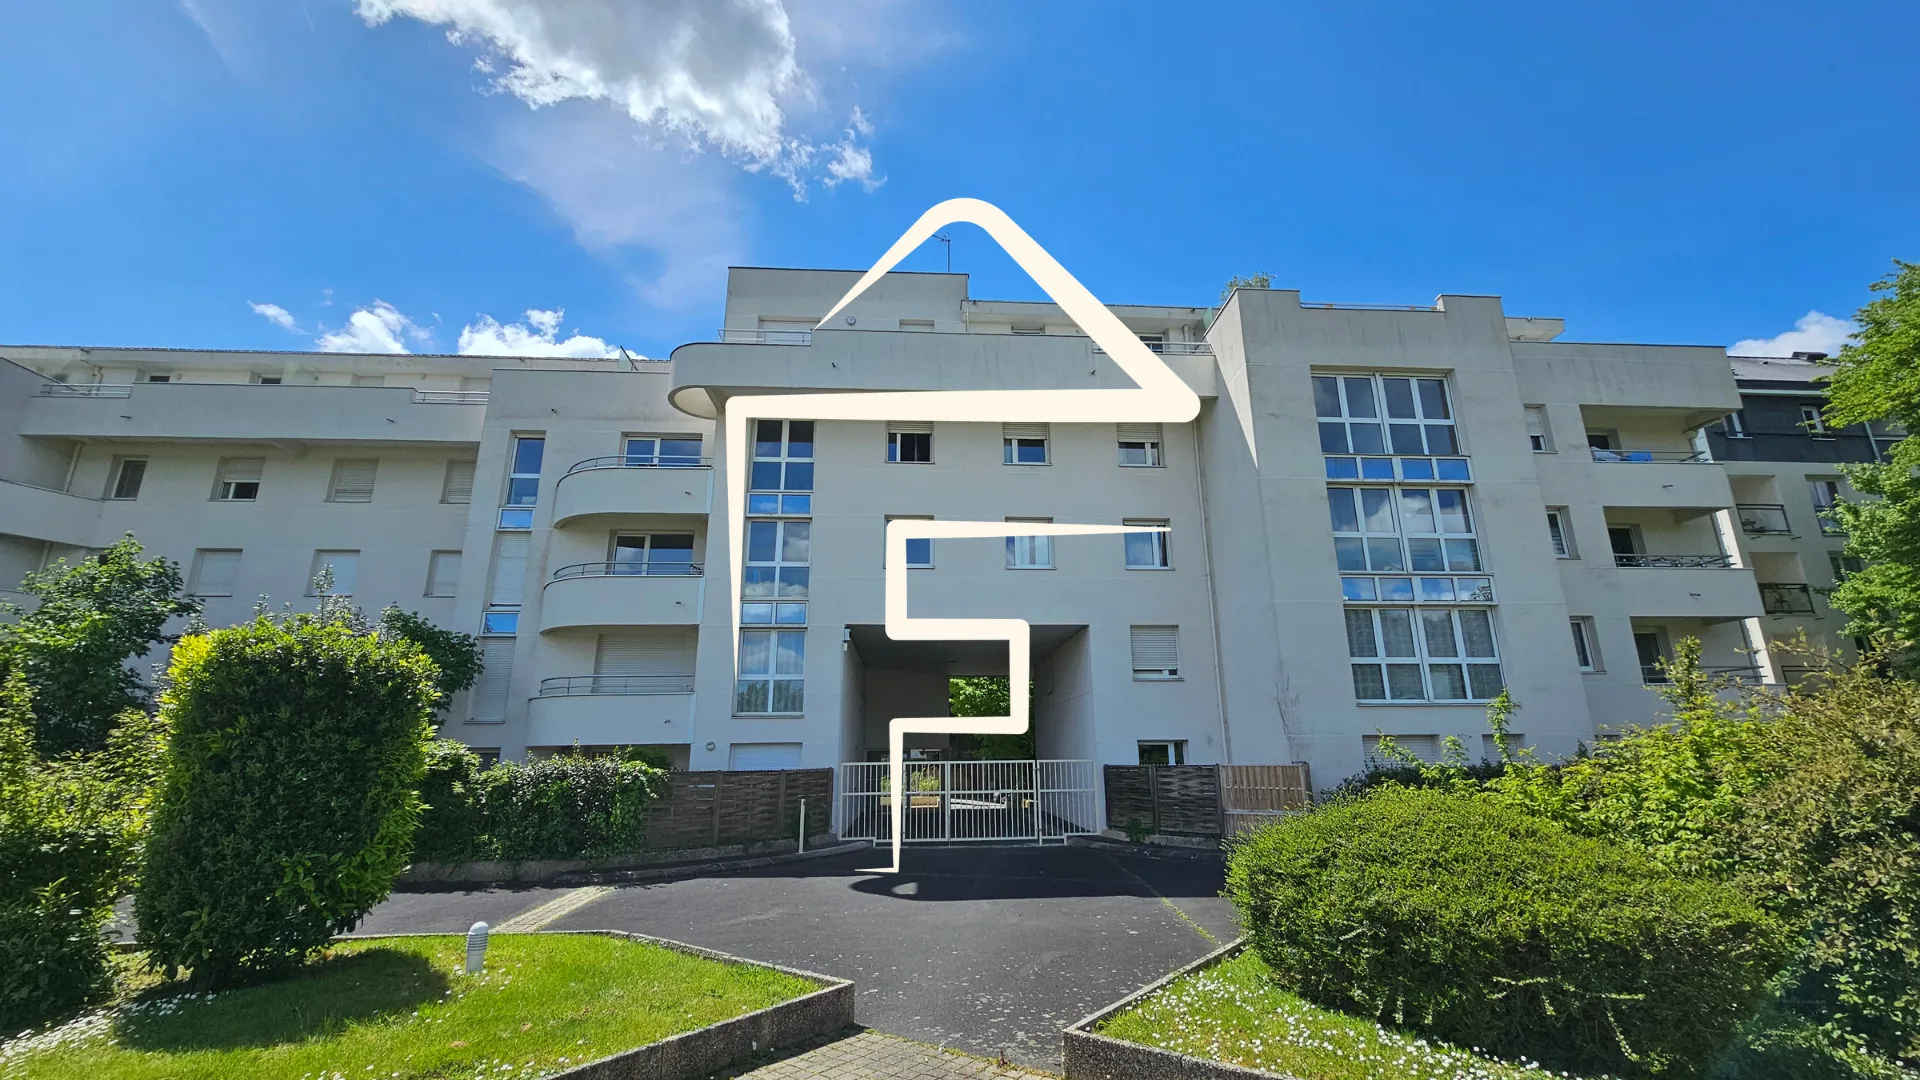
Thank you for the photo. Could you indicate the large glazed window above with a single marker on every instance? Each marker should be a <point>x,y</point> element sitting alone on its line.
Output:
<point>772,672</point>
<point>780,480</point>
<point>1423,654</point>
<point>1384,414</point>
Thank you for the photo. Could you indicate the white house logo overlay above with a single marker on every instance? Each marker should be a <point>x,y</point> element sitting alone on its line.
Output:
<point>1160,397</point>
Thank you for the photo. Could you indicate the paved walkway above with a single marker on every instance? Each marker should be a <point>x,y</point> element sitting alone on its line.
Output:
<point>870,1055</point>
<point>991,950</point>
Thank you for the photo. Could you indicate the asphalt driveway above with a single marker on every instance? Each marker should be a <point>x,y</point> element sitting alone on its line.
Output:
<point>988,949</point>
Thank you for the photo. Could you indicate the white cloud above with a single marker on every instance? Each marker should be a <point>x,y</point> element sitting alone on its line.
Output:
<point>538,336</point>
<point>376,329</point>
<point>1813,332</point>
<point>852,161</point>
<point>276,315</point>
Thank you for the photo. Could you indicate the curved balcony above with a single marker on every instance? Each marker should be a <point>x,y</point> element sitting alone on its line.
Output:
<point>622,594</point>
<point>622,485</point>
<point>611,710</point>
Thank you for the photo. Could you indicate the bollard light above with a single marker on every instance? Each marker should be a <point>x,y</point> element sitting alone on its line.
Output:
<point>476,948</point>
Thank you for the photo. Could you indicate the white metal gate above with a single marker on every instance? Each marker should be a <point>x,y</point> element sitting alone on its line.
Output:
<point>950,801</point>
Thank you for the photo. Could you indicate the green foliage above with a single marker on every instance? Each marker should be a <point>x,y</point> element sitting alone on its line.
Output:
<point>70,830</point>
<point>986,695</point>
<point>1877,375</point>
<point>651,756</point>
<point>1259,279</point>
<point>289,797</point>
<point>1488,927</point>
<point>456,655</point>
<point>564,807</point>
<point>93,617</point>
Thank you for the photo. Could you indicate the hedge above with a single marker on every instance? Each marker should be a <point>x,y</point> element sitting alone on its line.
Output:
<point>562,807</point>
<point>1487,927</point>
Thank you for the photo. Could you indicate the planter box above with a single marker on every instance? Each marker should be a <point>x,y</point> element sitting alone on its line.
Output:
<point>1090,1056</point>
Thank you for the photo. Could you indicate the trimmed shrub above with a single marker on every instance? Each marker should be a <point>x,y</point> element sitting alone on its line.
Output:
<point>1491,928</point>
<point>290,794</point>
<point>564,807</point>
<point>450,815</point>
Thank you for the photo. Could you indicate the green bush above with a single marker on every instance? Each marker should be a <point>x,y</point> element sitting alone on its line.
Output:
<point>450,815</point>
<point>1491,928</point>
<point>564,807</point>
<point>290,794</point>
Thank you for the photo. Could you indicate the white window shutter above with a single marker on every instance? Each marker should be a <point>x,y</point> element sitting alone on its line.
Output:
<point>1156,650</point>
<point>1138,432</point>
<point>1024,431</point>
<point>458,486</point>
<point>508,582</point>
<point>909,427</point>
<point>353,480</point>
<point>643,652</point>
<point>241,470</point>
<point>215,572</point>
<point>1424,747</point>
<point>763,756</point>
<point>443,573</point>
<point>496,672</point>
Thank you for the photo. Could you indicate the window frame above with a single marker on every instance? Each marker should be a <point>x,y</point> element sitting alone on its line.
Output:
<point>782,530</point>
<point>1734,425</point>
<point>658,458</point>
<point>1586,641</point>
<point>1421,658</point>
<point>928,541</point>
<point>1814,423</point>
<point>1176,750</point>
<point>434,561</point>
<point>117,478</point>
<point>195,578</point>
<point>1151,674</point>
<point>341,464</point>
<point>520,482</point>
<point>1158,543</point>
<point>897,445</point>
<point>1035,544</point>
<point>1560,533</point>
<point>1380,406</point>
<point>225,490</point>
<point>1153,448</point>
<point>648,547</point>
<point>320,559</point>
<point>777,639</point>
<point>1539,433</point>
<point>788,496</point>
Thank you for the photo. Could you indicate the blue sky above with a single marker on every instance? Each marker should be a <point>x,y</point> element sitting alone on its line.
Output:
<point>281,173</point>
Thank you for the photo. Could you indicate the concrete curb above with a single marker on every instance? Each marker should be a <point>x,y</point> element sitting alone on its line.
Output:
<point>426,875</point>
<point>1091,1056</point>
<point>705,1051</point>
<point>679,870</point>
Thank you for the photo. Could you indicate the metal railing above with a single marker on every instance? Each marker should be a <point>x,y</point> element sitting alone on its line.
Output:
<point>629,461</point>
<point>450,397</point>
<point>1644,457</point>
<point>1783,598</point>
<point>1763,517</point>
<point>106,390</point>
<point>1686,562</point>
<point>1173,348</point>
<point>1745,674</point>
<point>765,337</point>
<point>950,801</point>
<point>642,568</point>
<point>585,685</point>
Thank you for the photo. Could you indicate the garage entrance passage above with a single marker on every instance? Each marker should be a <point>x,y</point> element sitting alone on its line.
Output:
<point>949,801</point>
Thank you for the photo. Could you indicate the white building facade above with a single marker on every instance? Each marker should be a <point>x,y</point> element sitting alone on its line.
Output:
<point>1380,519</point>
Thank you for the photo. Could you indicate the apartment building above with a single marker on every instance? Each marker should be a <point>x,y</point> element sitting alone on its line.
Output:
<point>1381,517</point>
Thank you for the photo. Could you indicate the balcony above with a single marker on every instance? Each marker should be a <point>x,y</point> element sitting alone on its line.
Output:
<point>1704,587</point>
<point>1763,519</point>
<point>1667,479</point>
<point>248,412</point>
<point>44,514</point>
<point>611,710</point>
<point>1648,457</point>
<point>622,485</point>
<point>1786,599</point>
<point>1684,562</point>
<point>622,594</point>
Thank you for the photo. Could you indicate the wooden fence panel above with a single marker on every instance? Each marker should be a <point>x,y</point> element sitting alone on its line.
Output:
<point>703,808</point>
<point>1188,797</point>
<point>1129,795</point>
<point>1204,800</point>
<point>1252,795</point>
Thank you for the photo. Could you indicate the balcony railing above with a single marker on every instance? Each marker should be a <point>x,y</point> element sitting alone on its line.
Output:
<point>643,568</point>
<point>450,397</point>
<point>637,461</point>
<point>106,390</point>
<point>1780,598</point>
<point>121,390</point>
<point>1688,562</point>
<point>1173,348</point>
<point>765,337</point>
<point>1747,675</point>
<point>585,685</point>
<point>1763,518</point>
<point>1643,457</point>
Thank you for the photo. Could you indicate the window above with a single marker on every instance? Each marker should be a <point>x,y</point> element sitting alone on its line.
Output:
<point>523,483</point>
<point>910,443</point>
<point>1537,434</point>
<point>1559,534</point>
<point>1163,752</point>
<point>781,479</point>
<point>772,669</point>
<point>1418,418</point>
<point>1370,525</point>
<point>919,548</point>
<point>1424,747</point>
<point>1146,550</point>
<point>341,566</point>
<point>1490,750</point>
<point>517,518</point>
<point>1651,650</point>
<point>127,475</point>
<point>1030,552</point>
<point>266,380</point>
<point>652,553</point>
<point>1826,493</point>
<point>1734,425</point>
<point>457,485</point>
<point>489,755</point>
<point>238,479</point>
<point>353,480</point>
<point>1811,419</point>
<point>1025,444</point>
<point>1426,654</point>
<point>760,757</point>
<point>1029,328</point>
<point>1602,440</point>
<point>214,572</point>
<point>1156,652</point>
<point>369,380</point>
<point>489,703</point>
<point>663,451</point>
<point>159,378</point>
<point>443,573</point>
<point>778,553</point>
<point>1844,566</point>
<point>1139,445</point>
<point>1584,650</point>
<point>500,622</point>
<point>1154,342</point>
<point>507,580</point>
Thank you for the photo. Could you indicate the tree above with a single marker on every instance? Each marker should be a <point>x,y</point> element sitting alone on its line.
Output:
<point>986,695</point>
<point>456,655</point>
<point>1259,279</point>
<point>93,617</point>
<point>1877,378</point>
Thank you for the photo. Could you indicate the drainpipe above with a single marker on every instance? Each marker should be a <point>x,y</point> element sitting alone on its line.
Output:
<point>1213,614</point>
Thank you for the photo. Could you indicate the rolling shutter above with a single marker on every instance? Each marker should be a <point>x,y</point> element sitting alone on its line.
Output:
<point>353,480</point>
<point>643,652</point>
<point>242,470</point>
<point>1024,431</point>
<point>214,573</point>
<point>1156,651</point>
<point>496,672</point>
<point>909,427</point>
<point>508,582</point>
<point>763,756</point>
<point>443,573</point>
<point>1138,432</point>
<point>1424,747</point>
<point>458,486</point>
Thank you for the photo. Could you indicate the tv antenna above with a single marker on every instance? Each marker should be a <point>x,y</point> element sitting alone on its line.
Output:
<point>947,239</point>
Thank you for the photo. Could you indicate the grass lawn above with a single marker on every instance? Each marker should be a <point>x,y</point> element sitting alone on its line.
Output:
<point>399,1007</point>
<point>1233,1012</point>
